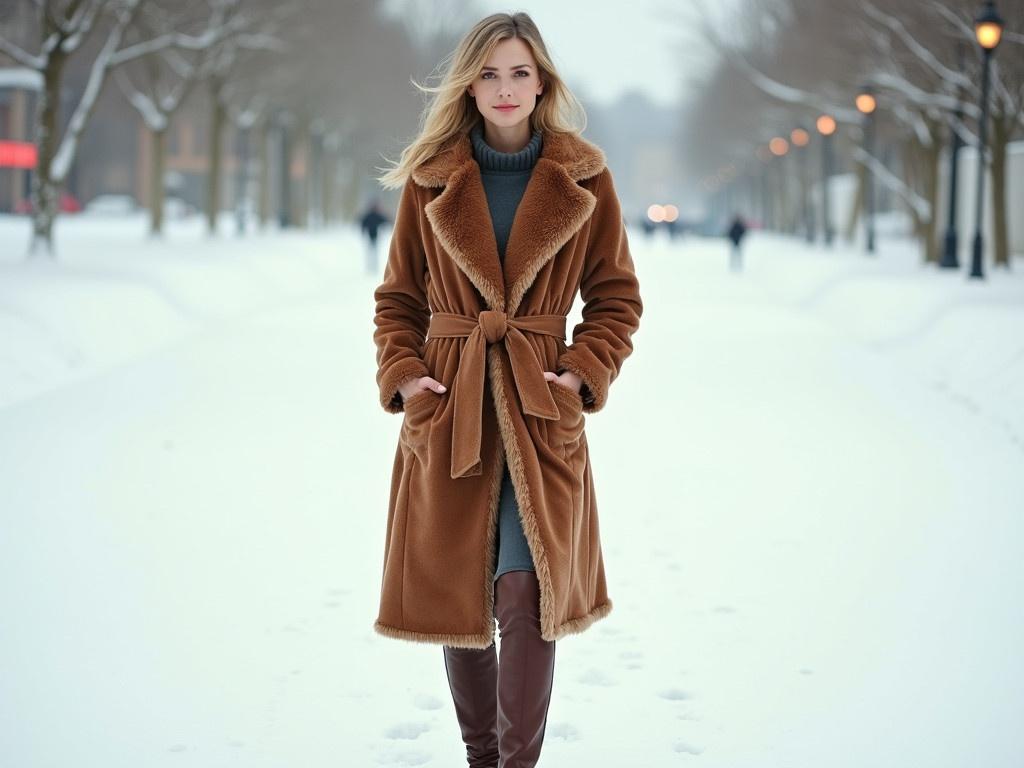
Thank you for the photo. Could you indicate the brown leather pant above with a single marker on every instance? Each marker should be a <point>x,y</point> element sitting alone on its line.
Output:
<point>502,700</point>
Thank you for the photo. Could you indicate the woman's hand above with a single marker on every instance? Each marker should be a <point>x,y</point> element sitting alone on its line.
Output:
<point>568,379</point>
<point>411,387</point>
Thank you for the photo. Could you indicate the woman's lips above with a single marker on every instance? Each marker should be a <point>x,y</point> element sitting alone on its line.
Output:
<point>508,108</point>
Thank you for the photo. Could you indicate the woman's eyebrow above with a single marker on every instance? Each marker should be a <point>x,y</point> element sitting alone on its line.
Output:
<point>517,66</point>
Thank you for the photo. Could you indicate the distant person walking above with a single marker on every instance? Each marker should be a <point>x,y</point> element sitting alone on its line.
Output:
<point>369,223</point>
<point>736,233</point>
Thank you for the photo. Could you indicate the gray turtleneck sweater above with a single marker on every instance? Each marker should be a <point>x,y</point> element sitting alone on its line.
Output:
<point>505,175</point>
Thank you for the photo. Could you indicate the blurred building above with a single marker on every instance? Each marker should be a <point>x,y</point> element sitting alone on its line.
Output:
<point>113,155</point>
<point>18,89</point>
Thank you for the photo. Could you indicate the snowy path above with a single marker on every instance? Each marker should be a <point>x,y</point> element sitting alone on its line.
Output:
<point>814,555</point>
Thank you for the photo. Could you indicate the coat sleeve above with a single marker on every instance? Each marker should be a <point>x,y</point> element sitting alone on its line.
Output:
<point>612,305</point>
<point>402,314</point>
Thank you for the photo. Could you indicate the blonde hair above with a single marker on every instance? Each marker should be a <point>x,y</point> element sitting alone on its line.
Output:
<point>451,111</point>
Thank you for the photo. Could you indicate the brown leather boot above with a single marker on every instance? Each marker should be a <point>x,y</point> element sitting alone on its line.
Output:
<point>473,679</point>
<point>526,668</point>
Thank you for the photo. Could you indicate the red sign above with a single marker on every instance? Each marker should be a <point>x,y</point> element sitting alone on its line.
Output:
<point>17,154</point>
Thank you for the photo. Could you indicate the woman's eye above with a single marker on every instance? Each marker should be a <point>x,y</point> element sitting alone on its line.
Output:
<point>518,72</point>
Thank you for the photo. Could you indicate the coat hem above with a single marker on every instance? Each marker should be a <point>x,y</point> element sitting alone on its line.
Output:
<point>485,639</point>
<point>482,640</point>
<point>577,625</point>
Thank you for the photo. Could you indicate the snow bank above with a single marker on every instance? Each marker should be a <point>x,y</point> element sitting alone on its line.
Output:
<point>113,294</point>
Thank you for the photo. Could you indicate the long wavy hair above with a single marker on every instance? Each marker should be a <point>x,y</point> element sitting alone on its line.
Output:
<point>452,111</point>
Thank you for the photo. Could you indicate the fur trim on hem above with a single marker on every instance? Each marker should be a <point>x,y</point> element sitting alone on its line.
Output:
<point>570,627</point>
<point>575,626</point>
<point>454,640</point>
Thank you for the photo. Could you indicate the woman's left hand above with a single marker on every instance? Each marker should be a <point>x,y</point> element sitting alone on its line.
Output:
<point>568,379</point>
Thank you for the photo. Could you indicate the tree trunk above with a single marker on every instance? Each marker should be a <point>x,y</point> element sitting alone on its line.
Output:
<point>158,158</point>
<point>263,145</point>
<point>930,173</point>
<point>1001,127</point>
<point>217,118</point>
<point>242,180</point>
<point>300,200</point>
<point>850,229</point>
<point>327,186</point>
<point>45,191</point>
<point>923,178</point>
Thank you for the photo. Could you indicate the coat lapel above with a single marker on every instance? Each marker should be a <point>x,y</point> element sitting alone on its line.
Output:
<point>553,208</point>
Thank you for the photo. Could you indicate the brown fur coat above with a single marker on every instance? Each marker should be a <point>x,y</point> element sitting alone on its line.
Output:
<point>449,308</point>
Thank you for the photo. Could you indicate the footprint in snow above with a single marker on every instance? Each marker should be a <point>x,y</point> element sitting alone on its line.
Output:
<point>406,730</point>
<point>563,731</point>
<point>406,757</point>
<point>674,694</point>
<point>427,702</point>
<point>595,676</point>
<point>689,749</point>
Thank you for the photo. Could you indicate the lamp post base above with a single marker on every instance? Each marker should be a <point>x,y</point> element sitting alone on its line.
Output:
<point>976,270</point>
<point>949,257</point>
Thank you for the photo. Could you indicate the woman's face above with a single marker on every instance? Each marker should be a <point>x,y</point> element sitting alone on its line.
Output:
<point>510,78</point>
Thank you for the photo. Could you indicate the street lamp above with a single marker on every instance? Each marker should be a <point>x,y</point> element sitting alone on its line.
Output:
<point>950,258</point>
<point>826,125</point>
<point>988,28</point>
<point>866,103</point>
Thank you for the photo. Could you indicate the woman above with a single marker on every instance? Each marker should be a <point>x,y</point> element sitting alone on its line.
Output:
<point>505,212</point>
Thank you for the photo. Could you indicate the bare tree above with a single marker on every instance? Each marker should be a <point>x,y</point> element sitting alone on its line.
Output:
<point>64,28</point>
<point>813,56</point>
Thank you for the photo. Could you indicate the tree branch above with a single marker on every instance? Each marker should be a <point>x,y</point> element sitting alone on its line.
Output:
<point>22,57</point>
<point>921,206</point>
<point>921,52</point>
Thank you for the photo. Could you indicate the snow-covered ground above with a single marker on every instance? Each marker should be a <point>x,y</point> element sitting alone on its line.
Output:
<point>810,476</point>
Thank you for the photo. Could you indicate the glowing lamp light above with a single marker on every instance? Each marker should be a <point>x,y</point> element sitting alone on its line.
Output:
<point>826,125</point>
<point>778,146</point>
<point>656,213</point>
<point>671,212</point>
<point>799,137</point>
<point>988,27</point>
<point>866,103</point>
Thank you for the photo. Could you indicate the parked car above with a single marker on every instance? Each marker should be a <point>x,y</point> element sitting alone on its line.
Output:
<point>112,205</point>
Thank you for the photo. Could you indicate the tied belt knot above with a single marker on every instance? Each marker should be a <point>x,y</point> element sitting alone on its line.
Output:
<point>493,327</point>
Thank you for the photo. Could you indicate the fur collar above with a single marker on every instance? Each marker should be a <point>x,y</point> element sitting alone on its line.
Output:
<point>579,158</point>
<point>554,207</point>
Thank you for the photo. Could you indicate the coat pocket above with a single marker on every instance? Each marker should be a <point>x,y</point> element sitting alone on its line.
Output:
<point>569,427</point>
<point>419,414</point>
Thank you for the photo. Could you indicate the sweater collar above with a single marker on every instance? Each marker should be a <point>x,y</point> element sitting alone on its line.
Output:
<point>491,159</point>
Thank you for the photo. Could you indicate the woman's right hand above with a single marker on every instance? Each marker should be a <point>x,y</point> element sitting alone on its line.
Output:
<point>413,386</point>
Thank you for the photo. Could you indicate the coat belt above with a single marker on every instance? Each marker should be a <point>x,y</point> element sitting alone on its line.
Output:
<point>493,327</point>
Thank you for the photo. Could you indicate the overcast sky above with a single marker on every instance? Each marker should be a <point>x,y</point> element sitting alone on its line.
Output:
<point>598,47</point>
<point>597,44</point>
